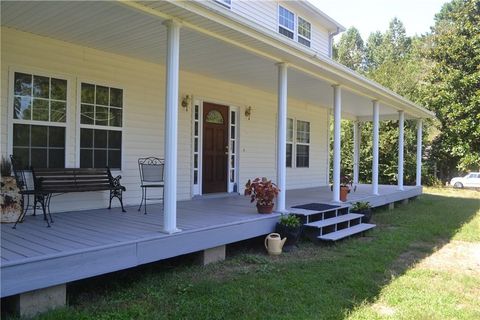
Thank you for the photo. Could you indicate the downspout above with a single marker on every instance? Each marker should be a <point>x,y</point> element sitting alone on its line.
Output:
<point>330,42</point>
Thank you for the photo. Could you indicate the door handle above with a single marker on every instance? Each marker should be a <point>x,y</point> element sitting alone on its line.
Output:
<point>226,149</point>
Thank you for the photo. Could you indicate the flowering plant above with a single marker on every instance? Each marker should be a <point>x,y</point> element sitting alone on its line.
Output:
<point>261,190</point>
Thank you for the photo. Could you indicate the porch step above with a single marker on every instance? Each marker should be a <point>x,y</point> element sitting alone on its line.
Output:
<point>337,235</point>
<point>335,220</point>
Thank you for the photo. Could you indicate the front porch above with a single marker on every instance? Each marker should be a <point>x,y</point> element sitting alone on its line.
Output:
<point>82,244</point>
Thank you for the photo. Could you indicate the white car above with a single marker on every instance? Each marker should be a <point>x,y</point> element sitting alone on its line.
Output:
<point>471,180</point>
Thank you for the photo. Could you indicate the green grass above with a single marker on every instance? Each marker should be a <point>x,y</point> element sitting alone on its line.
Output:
<point>361,278</point>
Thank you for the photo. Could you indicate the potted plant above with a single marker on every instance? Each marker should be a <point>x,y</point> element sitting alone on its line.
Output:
<point>10,199</point>
<point>264,192</point>
<point>289,226</point>
<point>364,208</point>
<point>346,184</point>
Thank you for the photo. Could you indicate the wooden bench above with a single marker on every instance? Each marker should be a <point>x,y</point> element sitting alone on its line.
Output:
<point>60,181</point>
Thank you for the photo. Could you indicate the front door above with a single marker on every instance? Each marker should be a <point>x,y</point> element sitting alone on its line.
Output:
<point>215,148</point>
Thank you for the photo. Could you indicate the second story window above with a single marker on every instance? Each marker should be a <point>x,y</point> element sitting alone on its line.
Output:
<point>286,22</point>
<point>226,3</point>
<point>304,32</point>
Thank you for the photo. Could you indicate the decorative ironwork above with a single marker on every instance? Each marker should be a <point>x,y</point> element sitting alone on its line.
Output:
<point>151,176</point>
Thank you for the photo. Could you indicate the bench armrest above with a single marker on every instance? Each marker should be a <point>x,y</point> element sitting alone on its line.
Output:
<point>115,181</point>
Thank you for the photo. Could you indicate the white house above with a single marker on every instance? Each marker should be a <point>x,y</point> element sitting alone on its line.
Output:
<point>95,84</point>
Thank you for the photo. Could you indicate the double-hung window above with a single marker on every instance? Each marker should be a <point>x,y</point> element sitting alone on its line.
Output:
<point>303,144</point>
<point>39,120</point>
<point>286,22</point>
<point>286,26</point>
<point>304,29</point>
<point>298,143</point>
<point>101,113</point>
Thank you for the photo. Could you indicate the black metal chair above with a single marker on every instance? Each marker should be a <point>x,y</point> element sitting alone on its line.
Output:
<point>151,176</point>
<point>27,191</point>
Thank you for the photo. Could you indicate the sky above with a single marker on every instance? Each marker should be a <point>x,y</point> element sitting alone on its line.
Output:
<point>372,15</point>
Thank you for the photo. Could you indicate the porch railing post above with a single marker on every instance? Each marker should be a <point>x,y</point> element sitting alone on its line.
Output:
<point>356,150</point>
<point>401,123</point>
<point>337,118</point>
<point>171,125</point>
<point>375,133</point>
<point>282,135</point>
<point>419,151</point>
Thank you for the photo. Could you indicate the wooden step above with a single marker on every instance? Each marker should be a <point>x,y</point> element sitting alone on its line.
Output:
<point>335,220</point>
<point>307,212</point>
<point>337,235</point>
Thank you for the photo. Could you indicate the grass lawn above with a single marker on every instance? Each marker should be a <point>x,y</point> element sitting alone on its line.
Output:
<point>417,264</point>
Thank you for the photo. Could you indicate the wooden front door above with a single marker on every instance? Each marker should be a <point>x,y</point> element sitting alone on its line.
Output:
<point>215,148</point>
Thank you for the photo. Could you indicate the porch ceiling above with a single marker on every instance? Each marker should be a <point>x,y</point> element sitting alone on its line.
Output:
<point>120,29</point>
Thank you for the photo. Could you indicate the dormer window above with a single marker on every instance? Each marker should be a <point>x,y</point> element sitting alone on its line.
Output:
<point>286,22</point>
<point>304,31</point>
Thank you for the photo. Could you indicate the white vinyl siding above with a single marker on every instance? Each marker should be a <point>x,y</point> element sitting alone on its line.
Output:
<point>143,84</point>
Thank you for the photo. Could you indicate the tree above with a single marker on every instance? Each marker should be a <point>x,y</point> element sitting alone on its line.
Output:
<point>350,50</point>
<point>452,88</point>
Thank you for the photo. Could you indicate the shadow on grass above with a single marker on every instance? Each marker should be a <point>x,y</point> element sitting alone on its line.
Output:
<point>314,282</point>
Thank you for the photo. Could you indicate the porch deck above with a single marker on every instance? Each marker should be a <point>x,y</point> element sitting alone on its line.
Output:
<point>83,244</point>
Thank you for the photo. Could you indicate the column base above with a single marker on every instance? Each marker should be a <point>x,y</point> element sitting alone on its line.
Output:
<point>176,230</point>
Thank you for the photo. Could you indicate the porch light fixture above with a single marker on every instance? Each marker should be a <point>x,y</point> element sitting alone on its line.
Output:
<point>186,100</point>
<point>248,112</point>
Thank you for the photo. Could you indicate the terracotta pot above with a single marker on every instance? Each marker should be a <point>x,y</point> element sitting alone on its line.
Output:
<point>343,193</point>
<point>10,200</point>
<point>264,209</point>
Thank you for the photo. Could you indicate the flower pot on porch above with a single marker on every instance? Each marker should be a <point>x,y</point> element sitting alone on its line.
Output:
<point>264,208</point>
<point>10,200</point>
<point>344,190</point>
<point>291,233</point>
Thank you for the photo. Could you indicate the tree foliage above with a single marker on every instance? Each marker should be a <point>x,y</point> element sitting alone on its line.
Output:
<point>439,70</point>
<point>452,88</point>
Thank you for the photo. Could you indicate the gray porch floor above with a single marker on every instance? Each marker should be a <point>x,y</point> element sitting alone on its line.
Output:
<point>82,244</point>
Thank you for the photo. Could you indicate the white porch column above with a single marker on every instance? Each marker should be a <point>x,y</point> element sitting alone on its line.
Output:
<point>376,125</point>
<point>401,122</point>
<point>337,117</point>
<point>171,126</point>
<point>419,151</point>
<point>282,135</point>
<point>356,150</point>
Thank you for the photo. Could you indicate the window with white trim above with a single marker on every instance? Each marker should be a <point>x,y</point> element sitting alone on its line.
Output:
<point>304,30</point>
<point>289,142</point>
<point>101,113</point>
<point>286,22</point>
<point>39,120</point>
<point>298,144</point>
<point>302,144</point>
<point>226,3</point>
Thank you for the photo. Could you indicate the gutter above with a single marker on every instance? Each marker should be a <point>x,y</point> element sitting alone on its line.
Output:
<point>330,41</point>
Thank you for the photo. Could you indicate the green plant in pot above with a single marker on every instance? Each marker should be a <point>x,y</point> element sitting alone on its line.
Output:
<point>263,191</point>
<point>291,227</point>
<point>364,208</point>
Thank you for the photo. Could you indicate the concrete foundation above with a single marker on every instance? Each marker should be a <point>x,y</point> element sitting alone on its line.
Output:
<point>391,206</point>
<point>405,201</point>
<point>30,303</point>
<point>212,255</point>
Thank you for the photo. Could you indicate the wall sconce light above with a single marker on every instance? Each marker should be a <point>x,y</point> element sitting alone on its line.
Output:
<point>186,101</point>
<point>248,112</point>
